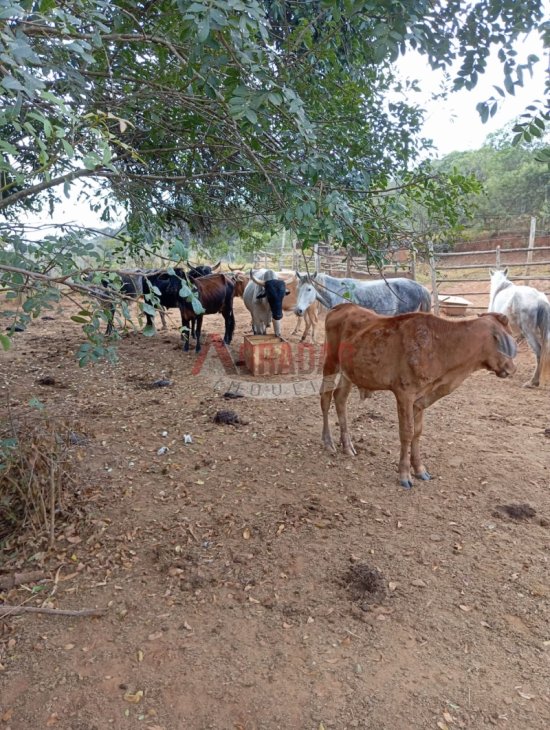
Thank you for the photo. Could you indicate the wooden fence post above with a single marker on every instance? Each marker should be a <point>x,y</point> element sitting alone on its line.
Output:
<point>413,264</point>
<point>498,257</point>
<point>316,257</point>
<point>435,293</point>
<point>348,264</point>
<point>532,230</point>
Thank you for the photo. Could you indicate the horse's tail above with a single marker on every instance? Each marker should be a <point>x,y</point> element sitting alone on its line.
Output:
<point>543,324</point>
<point>425,300</point>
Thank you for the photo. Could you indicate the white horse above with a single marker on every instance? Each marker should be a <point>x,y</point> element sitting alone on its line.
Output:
<point>528,310</point>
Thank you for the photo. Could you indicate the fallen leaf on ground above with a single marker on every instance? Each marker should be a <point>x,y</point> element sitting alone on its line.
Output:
<point>155,636</point>
<point>134,697</point>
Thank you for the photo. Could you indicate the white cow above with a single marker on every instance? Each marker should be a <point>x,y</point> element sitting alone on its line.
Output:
<point>263,297</point>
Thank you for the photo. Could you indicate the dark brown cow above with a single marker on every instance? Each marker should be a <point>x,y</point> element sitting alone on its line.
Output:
<point>419,357</point>
<point>215,293</point>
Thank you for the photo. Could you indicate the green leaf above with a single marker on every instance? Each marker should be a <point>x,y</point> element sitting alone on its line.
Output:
<point>149,331</point>
<point>204,30</point>
<point>197,306</point>
<point>5,341</point>
<point>35,403</point>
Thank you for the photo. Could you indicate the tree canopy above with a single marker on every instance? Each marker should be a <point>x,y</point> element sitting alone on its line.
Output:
<point>516,184</point>
<point>237,114</point>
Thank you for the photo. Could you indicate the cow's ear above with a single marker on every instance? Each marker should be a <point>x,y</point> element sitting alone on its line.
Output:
<point>502,318</point>
<point>287,292</point>
<point>505,272</point>
<point>314,276</point>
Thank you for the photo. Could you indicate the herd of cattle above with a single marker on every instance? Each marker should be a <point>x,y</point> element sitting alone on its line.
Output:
<point>418,356</point>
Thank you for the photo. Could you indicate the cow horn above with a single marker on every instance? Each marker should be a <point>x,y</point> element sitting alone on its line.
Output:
<point>217,266</point>
<point>232,269</point>
<point>259,282</point>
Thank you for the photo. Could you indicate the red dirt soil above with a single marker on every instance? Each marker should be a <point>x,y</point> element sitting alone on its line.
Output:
<point>226,565</point>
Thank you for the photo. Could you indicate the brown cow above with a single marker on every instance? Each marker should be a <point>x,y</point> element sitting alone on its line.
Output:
<point>418,356</point>
<point>289,302</point>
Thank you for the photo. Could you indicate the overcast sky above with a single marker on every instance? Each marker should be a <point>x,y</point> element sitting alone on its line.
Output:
<point>454,124</point>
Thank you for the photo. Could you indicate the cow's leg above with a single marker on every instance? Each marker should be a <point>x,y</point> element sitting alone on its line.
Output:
<point>341,395</point>
<point>330,373</point>
<point>110,321</point>
<point>197,325</point>
<point>311,320</point>
<point>229,318</point>
<point>418,467</point>
<point>405,413</point>
<point>184,329</point>
<point>298,326</point>
<point>163,319</point>
<point>307,322</point>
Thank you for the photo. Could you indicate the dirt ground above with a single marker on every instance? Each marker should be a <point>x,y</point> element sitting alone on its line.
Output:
<point>253,581</point>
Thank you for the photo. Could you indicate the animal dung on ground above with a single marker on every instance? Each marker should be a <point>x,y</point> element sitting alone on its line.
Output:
<point>365,584</point>
<point>229,418</point>
<point>231,396</point>
<point>162,383</point>
<point>515,511</point>
<point>77,439</point>
<point>46,380</point>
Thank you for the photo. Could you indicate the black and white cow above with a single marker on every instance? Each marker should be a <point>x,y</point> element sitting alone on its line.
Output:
<point>263,297</point>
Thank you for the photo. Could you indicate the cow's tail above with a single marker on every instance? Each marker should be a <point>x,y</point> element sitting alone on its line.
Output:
<point>425,300</point>
<point>543,324</point>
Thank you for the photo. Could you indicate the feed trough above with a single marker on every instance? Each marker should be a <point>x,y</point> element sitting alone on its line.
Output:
<point>453,306</point>
<point>267,355</point>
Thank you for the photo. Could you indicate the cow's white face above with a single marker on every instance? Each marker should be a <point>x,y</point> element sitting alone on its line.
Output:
<point>305,297</point>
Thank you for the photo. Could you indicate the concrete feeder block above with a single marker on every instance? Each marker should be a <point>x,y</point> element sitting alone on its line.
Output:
<point>267,355</point>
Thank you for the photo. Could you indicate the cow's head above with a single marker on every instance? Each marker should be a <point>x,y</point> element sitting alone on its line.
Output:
<point>240,279</point>
<point>274,290</point>
<point>501,347</point>
<point>198,270</point>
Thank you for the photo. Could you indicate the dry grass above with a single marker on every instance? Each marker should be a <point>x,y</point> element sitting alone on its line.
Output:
<point>35,477</point>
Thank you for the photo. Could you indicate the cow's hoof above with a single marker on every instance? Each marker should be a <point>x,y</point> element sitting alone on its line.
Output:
<point>406,483</point>
<point>329,446</point>
<point>530,384</point>
<point>424,475</point>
